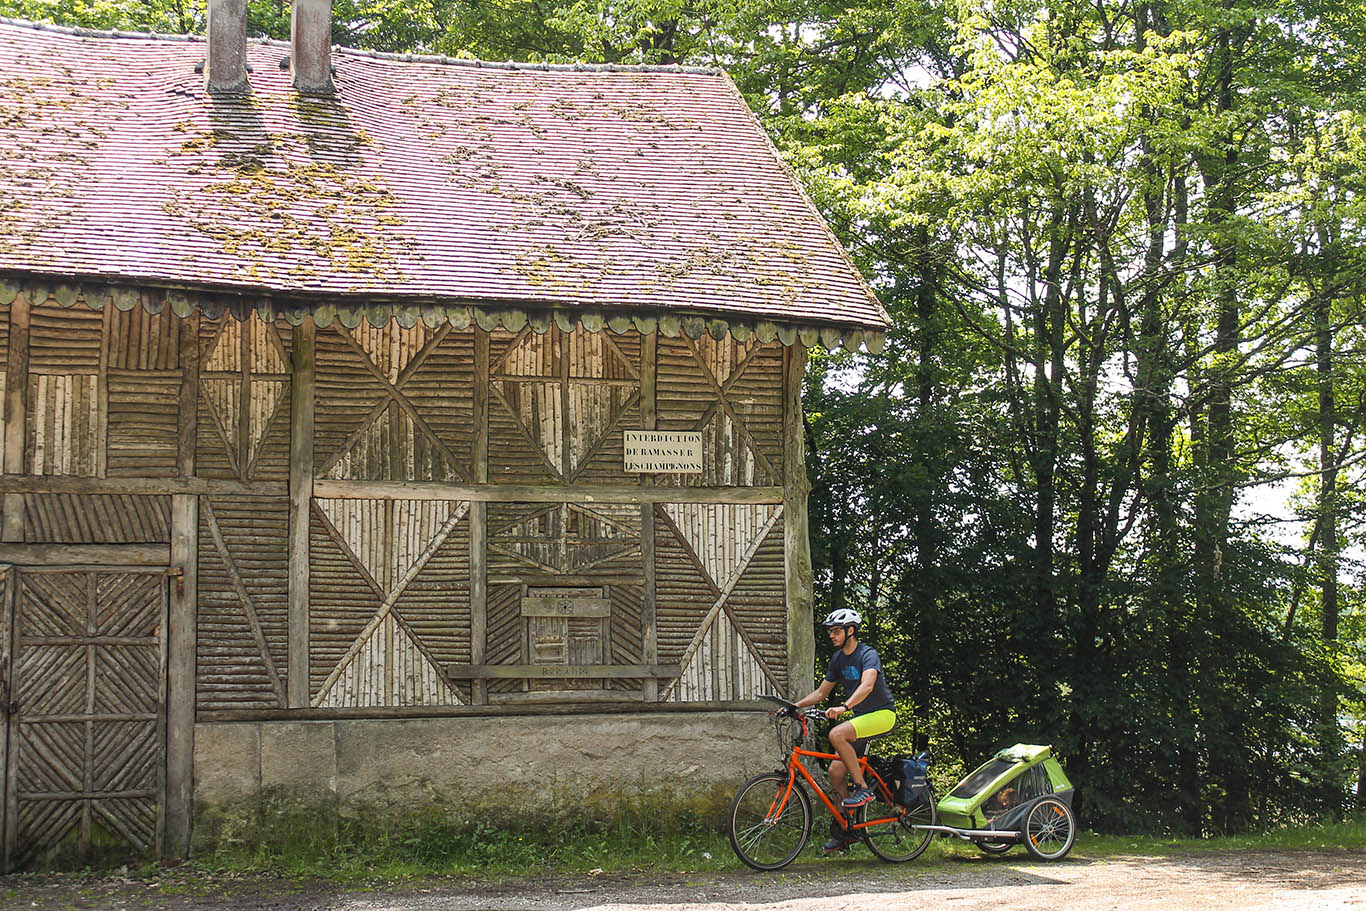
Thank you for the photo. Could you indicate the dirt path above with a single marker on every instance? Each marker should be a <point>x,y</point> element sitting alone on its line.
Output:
<point>1204,882</point>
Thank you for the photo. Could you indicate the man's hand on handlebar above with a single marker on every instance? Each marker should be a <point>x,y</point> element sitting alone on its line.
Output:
<point>835,711</point>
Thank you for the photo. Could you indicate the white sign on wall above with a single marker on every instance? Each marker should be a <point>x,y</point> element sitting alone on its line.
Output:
<point>664,451</point>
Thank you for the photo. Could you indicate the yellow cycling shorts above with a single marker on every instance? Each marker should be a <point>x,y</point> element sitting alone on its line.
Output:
<point>873,723</point>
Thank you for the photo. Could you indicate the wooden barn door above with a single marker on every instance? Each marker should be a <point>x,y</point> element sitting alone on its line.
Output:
<point>84,765</point>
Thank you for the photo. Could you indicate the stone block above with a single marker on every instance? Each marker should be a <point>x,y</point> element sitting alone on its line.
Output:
<point>227,762</point>
<point>299,757</point>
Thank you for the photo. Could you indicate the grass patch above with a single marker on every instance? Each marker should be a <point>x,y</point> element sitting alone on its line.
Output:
<point>297,838</point>
<point>1348,835</point>
<point>299,841</point>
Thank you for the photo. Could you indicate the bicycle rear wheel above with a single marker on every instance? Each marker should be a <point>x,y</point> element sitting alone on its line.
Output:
<point>894,839</point>
<point>768,824</point>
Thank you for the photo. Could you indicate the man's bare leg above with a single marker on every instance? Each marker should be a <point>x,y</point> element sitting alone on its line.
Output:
<point>842,739</point>
<point>839,778</point>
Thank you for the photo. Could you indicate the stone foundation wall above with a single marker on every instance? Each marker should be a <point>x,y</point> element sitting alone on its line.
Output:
<point>570,763</point>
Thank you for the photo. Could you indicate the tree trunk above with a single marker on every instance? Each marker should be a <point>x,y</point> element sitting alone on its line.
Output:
<point>1331,733</point>
<point>1328,470</point>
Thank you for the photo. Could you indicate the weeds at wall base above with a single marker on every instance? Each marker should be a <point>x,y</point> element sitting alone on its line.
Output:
<point>293,835</point>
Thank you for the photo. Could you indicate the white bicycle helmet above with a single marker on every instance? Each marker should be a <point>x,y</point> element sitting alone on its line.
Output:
<point>842,617</point>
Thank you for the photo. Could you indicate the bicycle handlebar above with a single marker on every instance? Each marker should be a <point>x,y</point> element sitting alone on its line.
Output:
<point>793,711</point>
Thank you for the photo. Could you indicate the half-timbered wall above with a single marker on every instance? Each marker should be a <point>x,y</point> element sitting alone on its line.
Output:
<point>467,531</point>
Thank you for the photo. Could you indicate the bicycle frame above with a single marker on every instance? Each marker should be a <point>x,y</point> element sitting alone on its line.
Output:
<point>794,766</point>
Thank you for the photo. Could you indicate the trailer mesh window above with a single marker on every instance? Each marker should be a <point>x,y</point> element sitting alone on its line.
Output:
<point>1015,793</point>
<point>974,783</point>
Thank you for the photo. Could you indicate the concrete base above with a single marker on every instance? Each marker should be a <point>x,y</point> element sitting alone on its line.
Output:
<point>576,763</point>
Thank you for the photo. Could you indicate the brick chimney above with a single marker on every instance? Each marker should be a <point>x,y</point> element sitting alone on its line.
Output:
<point>225,65</point>
<point>310,57</point>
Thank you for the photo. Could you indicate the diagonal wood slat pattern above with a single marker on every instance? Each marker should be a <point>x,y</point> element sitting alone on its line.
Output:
<point>88,749</point>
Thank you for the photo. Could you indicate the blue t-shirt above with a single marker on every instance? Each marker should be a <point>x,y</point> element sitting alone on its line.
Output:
<point>848,670</point>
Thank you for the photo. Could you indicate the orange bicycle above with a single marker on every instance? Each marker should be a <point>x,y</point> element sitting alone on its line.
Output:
<point>770,817</point>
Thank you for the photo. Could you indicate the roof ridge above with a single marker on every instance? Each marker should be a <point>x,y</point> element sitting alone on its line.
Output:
<point>83,32</point>
<point>520,65</point>
<point>578,67</point>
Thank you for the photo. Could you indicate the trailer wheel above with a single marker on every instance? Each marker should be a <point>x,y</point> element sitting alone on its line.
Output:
<point>1049,829</point>
<point>994,847</point>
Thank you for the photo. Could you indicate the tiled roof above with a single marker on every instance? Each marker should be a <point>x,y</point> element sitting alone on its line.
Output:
<point>422,181</point>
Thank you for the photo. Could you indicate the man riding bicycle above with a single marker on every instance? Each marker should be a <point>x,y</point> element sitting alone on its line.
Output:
<point>858,669</point>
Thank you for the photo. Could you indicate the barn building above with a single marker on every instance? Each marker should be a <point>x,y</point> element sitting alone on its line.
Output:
<point>372,419</point>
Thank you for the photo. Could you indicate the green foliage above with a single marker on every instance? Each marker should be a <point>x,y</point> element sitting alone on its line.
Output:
<point>1108,236</point>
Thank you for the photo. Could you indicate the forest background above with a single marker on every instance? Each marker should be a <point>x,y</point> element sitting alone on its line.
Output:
<point>1103,486</point>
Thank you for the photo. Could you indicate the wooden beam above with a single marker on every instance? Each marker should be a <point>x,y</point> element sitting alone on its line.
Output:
<point>27,484</point>
<point>16,415</point>
<point>649,420</point>
<point>560,671</point>
<point>300,492</point>
<point>479,518</point>
<point>801,638</point>
<point>182,635</point>
<point>542,493</point>
<point>567,697</point>
<point>187,422</point>
<point>102,396</point>
<point>566,462</point>
<point>182,627</point>
<point>10,630</point>
<point>63,554</point>
<point>585,706</point>
<point>244,401</point>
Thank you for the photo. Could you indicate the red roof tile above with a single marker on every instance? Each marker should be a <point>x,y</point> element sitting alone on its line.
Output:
<point>420,180</point>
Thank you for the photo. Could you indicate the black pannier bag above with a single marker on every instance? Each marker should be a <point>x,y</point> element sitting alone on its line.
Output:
<point>905,775</point>
<point>912,791</point>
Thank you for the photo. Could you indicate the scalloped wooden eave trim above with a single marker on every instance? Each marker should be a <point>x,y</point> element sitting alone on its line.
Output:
<point>670,325</point>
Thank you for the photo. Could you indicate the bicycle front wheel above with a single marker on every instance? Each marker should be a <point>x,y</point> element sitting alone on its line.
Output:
<point>769,822</point>
<point>890,832</point>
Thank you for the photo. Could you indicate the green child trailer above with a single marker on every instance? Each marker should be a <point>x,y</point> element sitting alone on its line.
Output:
<point>1019,796</point>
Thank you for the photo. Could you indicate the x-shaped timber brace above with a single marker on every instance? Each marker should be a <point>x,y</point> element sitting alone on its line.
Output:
<point>260,361</point>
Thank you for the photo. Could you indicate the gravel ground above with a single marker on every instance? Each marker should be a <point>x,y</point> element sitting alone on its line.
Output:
<point>1250,881</point>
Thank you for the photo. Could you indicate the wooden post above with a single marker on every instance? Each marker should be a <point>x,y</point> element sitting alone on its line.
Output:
<point>187,428</point>
<point>10,797</point>
<point>16,414</point>
<point>102,396</point>
<point>649,420</point>
<point>479,517</point>
<point>801,639</point>
<point>182,627</point>
<point>182,635</point>
<point>300,493</point>
<point>244,398</point>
